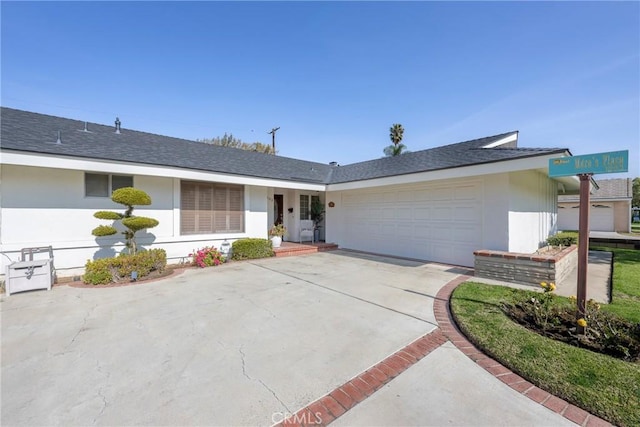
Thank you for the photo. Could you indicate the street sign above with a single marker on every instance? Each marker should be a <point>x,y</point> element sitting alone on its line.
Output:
<point>611,162</point>
<point>585,167</point>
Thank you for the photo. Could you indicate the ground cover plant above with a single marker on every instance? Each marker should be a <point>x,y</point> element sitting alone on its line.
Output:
<point>601,384</point>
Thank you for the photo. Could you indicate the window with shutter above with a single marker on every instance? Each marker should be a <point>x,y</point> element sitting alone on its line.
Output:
<point>211,208</point>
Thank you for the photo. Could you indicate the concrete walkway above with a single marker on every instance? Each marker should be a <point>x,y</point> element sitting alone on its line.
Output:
<point>250,343</point>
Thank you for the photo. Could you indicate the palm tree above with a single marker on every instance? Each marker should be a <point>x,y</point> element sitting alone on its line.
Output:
<point>396,132</point>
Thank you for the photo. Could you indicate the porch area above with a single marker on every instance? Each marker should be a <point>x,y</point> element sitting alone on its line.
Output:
<point>292,248</point>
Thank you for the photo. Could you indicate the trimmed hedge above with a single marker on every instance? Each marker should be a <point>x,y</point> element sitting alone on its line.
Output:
<point>565,238</point>
<point>251,249</point>
<point>108,270</point>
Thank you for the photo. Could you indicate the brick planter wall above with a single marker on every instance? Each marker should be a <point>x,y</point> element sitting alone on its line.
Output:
<point>528,269</point>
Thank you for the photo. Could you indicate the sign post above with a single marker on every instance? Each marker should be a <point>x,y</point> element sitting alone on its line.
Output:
<point>585,167</point>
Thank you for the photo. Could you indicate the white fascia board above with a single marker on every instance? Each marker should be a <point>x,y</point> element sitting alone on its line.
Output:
<point>540,163</point>
<point>503,141</point>
<point>89,165</point>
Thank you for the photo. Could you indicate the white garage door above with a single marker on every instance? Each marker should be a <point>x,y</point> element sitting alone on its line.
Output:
<point>568,217</point>
<point>436,223</point>
<point>600,217</point>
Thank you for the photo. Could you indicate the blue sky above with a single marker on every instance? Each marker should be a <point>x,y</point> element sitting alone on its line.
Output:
<point>334,76</point>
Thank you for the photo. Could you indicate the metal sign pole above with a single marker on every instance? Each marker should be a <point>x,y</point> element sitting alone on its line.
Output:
<point>583,247</point>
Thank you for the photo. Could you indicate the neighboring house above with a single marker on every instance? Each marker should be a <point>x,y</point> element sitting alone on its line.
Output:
<point>610,207</point>
<point>439,204</point>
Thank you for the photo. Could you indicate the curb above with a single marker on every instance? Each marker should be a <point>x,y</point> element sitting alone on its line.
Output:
<point>448,326</point>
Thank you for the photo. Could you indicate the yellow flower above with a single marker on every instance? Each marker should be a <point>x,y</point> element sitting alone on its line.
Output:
<point>552,286</point>
<point>573,298</point>
<point>544,285</point>
<point>582,323</point>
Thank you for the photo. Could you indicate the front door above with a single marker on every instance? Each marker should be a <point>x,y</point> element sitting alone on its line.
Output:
<point>277,209</point>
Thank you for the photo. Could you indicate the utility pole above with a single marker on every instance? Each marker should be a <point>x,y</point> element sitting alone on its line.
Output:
<point>273,139</point>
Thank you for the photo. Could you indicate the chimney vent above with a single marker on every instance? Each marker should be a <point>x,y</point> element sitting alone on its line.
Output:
<point>334,164</point>
<point>118,125</point>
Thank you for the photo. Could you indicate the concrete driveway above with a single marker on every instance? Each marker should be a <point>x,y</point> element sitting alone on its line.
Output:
<point>242,344</point>
<point>227,346</point>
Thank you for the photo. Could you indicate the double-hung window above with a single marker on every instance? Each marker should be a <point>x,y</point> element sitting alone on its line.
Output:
<point>306,202</point>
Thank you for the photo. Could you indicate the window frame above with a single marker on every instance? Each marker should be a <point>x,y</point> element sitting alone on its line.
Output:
<point>110,188</point>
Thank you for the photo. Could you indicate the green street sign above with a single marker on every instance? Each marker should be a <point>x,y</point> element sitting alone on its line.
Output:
<point>611,162</point>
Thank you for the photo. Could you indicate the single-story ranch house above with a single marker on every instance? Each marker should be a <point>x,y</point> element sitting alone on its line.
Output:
<point>610,207</point>
<point>439,204</point>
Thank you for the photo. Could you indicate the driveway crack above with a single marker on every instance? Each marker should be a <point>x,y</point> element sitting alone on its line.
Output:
<point>293,276</point>
<point>244,372</point>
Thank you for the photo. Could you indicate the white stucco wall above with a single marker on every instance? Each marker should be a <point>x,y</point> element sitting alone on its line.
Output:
<point>532,210</point>
<point>46,206</point>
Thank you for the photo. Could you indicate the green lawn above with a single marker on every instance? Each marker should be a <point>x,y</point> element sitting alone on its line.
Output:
<point>626,284</point>
<point>602,385</point>
<point>635,227</point>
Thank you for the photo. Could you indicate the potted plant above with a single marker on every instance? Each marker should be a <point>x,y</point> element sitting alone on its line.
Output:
<point>317,215</point>
<point>277,232</point>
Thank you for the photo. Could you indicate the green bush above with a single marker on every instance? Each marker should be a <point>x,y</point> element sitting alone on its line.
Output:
<point>565,238</point>
<point>251,249</point>
<point>108,270</point>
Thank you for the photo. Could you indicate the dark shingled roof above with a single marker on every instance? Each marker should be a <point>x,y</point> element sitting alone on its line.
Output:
<point>37,133</point>
<point>609,189</point>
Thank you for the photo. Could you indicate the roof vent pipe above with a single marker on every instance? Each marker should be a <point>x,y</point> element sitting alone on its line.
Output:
<point>58,141</point>
<point>85,127</point>
<point>118,125</point>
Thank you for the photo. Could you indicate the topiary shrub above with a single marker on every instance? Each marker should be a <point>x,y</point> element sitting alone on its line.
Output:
<point>565,238</point>
<point>112,270</point>
<point>129,197</point>
<point>251,249</point>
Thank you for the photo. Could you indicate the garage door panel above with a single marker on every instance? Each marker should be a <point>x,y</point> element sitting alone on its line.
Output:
<point>466,213</point>
<point>467,192</point>
<point>467,235</point>
<point>441,194</point>
<point>441,234</point>
<point>442,213</point>
<point>421,213</point>
<point>421,231</point>
<point>388,213</point>
<point>404,213</point>
<point>437,223</point>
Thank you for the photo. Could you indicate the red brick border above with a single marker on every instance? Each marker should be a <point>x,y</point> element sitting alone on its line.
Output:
<point>334,404</point>
<point>448,326</point>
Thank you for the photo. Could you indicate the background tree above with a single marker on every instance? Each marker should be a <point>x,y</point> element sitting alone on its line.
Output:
<point>636,193</point>
<point>396,132</point>
<point>129,197</point>
<point>230,141</point>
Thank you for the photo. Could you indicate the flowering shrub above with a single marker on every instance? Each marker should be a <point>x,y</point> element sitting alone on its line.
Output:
<point>555,317</point>
<point>207,257</point>
<point>278,230</point>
